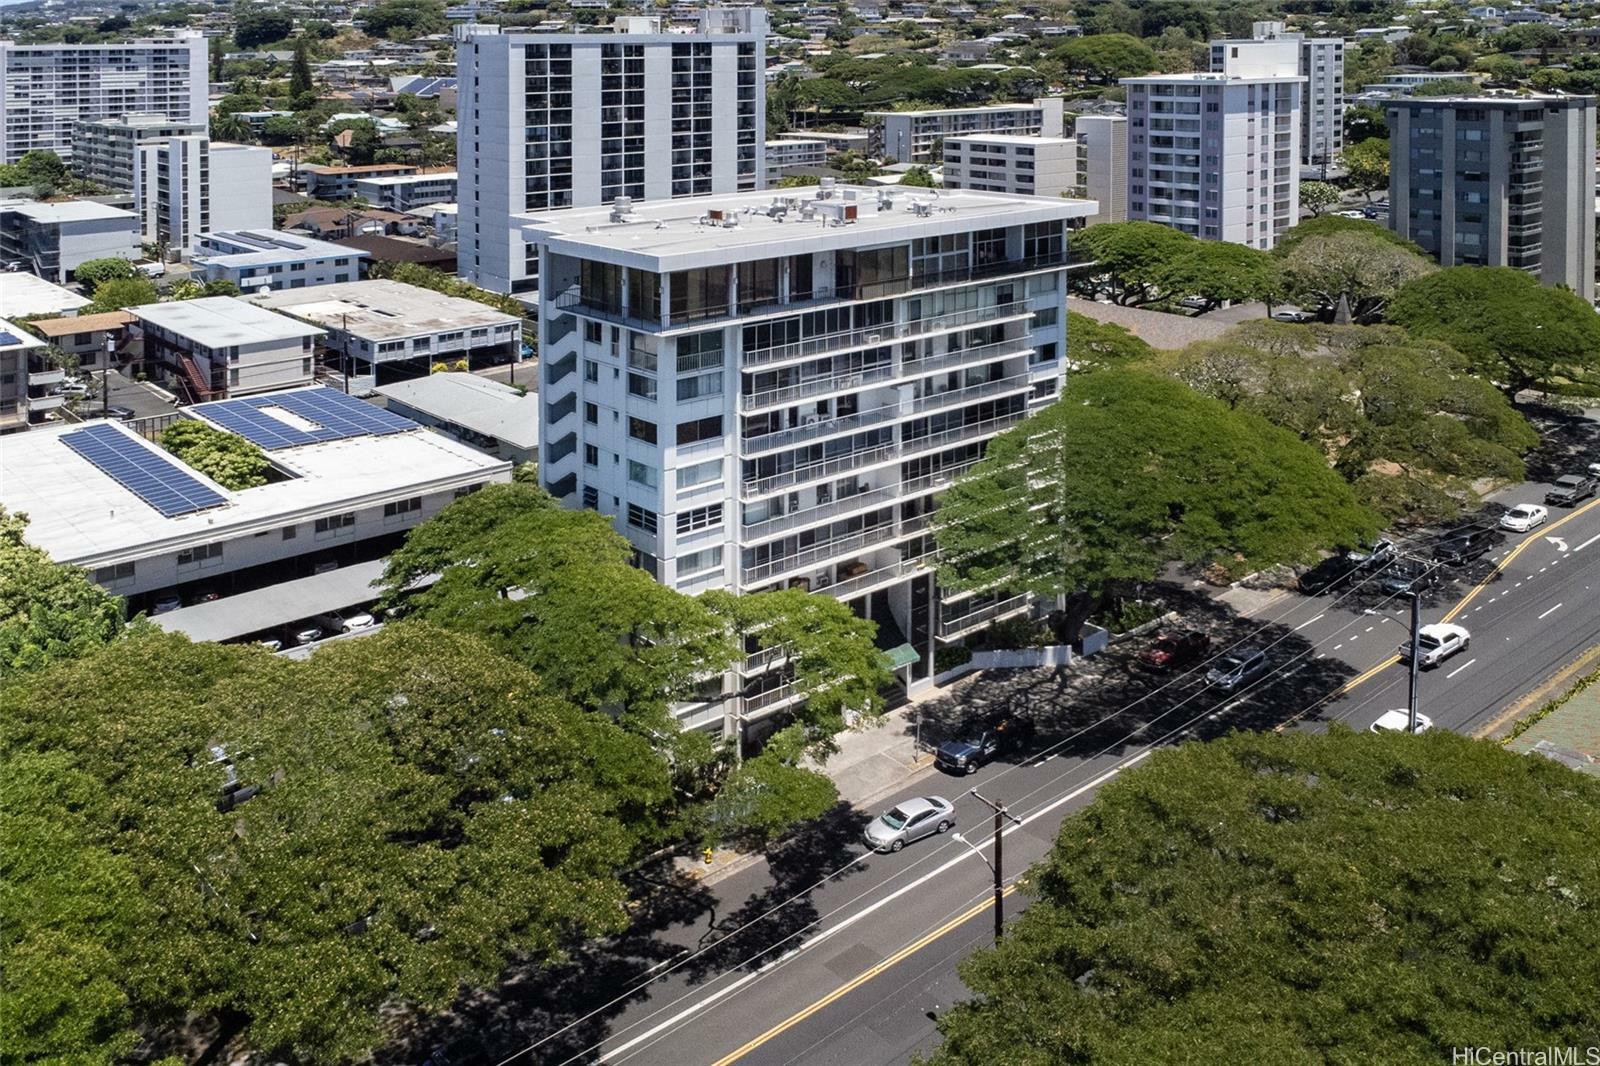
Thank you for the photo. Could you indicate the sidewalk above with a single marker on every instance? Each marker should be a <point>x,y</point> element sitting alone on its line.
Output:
<point>884,756</point>
<point>1570,732</point>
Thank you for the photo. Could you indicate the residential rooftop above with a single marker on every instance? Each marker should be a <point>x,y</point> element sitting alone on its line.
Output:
<point>936,111</point>
<point>78,514</point>
<point>66,210</point>
<point>1008,138</point>
<point>683,234</point>
<point>366,168</point>
<point>381,309</point>
<point>222,321</point>
<point>392,180</point>
<point>24,294</point>
<point>269,247</point>
<point>56,328</point>
<point>474,403</point>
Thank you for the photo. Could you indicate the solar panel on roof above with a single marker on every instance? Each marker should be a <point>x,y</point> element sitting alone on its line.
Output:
<point>155,479</point>
<point>333,416</point>
<point>7,337</point>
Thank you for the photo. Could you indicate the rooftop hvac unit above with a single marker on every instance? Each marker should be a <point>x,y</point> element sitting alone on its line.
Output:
<point>825,188</point>
<point>621,208</point>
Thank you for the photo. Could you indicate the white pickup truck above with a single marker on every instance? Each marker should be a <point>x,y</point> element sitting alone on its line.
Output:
<point>1437,642</point>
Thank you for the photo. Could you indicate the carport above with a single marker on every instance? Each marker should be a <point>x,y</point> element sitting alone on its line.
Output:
<point>276,605</point>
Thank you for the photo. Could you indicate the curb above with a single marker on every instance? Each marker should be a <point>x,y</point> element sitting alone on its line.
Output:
<point>1539,696</point>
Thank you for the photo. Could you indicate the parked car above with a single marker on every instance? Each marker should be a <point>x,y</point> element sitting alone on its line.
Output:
<point>1238,668</point>
<point>1523,517</point>
<point>1400,722</point>
<point>1374,554</point>
<point>1293,316</point>
<point>1594,468</point>
<point>309,633</point>
<point>1437,642</point>
<point>1569,490</point>
<point>1406,577</point>
<point>1329,574</point>
<point>117,411</point>
<point>1350,214</point>
<point>271,644</point>
<point>164,604</point>
<point>965,754</point>
<point>909,821</point>
<point>73,389</point>
<point>334,622</point>
<point>1464,545</point>
<point>1175,648</point>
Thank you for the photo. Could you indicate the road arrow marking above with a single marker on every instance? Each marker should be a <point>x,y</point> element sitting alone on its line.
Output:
<point>1560,544</point>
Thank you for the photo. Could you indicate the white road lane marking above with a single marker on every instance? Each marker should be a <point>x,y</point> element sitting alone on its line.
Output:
<point>1586,543</point>
<point>1308,621</point>
<point>1551,611</point>
<point>1460,668</point>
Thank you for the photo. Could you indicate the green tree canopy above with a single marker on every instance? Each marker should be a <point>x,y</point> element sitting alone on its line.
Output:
<point>1361,268</point>
<point>1517,333</point>
<point>1318,196</point>
<point>226,458</point>
<point>92,272</point>
<point>1218,272</point>
<point>1330,225</point>
<point>1403,420</point>
<point>405,19</point>
<point>1105,57</point>
<point>1127,472</point>
<point>1363,122</point>
<point>1130,259</point>
<point>1302,898</point>
<point>47,612</point>
<point>1367,164</point>
<point>118,293</point>
<point>258,24</point>
<point>300,83</point>
<point>918,177</point>
<point>1094,345</point>
<point>425,812</point>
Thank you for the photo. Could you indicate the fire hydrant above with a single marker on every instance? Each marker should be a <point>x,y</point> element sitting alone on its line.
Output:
<point>706,856</point>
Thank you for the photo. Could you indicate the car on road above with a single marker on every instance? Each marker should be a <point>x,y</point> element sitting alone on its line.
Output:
<point>1293,316</point>
<point>1464,545</point>
<point>1329,574</point>
<point>1406,577</point>
<point>1174,648</point>
<point>1523,517</point>
<point>964,755</point>
<point>1400,722</point>
<point>1237,668</point>
<point>909,821</point>
<point>116,410</point>
<point>1570,490</point>
<point>271,644</point>
<point>1374,554</point>
<point>1436,643</point>
<point>1350,214</point>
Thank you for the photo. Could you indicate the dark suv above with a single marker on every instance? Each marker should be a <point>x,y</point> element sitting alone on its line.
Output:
<point>1570,490</point>
<point>965,754</point>
<point>1464,545</point>
<point>1329,574</point>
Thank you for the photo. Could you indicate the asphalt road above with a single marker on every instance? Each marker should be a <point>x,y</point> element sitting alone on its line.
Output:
<point>855,970</point>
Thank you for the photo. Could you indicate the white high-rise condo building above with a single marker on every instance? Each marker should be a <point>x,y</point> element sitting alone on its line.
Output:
<point>1101,165</point>
<point>915,136</point>
<point>1009,162</point>
<point>573,120</point>
<point>1215,155</point>
<point>769,390</point>
<point>1497,181</point>
<point>47,89</point>
<point>1321,61</point>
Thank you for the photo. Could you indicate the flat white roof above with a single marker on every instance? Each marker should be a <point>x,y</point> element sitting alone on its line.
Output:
<point>1211,79</point>
<point>26,294</point>
<point>222,321</point>
<point>475,403</point>
<point>933,111</point>
<point>407,179</point>
<point>66,210</point>
<point>381,309</point>
<point>677,234</point>
<point>266,247</point>
<point>79,515</point>
<point>1008,138</point>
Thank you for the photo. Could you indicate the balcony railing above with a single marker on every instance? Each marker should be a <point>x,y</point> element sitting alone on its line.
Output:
<point>888,332</point>
<point>949,627</point>
<point>821,554</point>
<point>819,512</point>
<point>817,387</point>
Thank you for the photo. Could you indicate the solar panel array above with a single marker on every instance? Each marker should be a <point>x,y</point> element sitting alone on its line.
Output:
<point>152,477</point>
<point>335,417</point>
<point>7,338</point>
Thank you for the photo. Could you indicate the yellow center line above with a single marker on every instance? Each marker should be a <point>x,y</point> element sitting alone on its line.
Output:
<point>943,930</point>
<point>861,979</point>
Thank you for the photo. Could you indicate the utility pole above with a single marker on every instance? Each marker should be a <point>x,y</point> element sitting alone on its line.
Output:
<point>105,376</point>
<point>1416,658</point>
<point>344,351</point>
<point>1001,815</point>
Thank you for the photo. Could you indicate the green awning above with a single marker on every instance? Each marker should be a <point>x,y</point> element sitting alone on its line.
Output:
<point>904,655</point>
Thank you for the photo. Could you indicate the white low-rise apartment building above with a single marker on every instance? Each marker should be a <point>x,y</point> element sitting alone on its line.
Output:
<point>339,182</point>
<point>349,480</point>
<point>404,192</point>
<point>272,259</point>
<point>788,153</point>
<point>913,136</point>
<point>769,390</point>
<point>25,380</point>
<point>1100,165</point>
<point>1010,163</point>
<point>51,239</point>
<point>1217,155</point>
<point>220,347</point>
<point>47,89</point>
<point>857,141</point>
<point>557,120</point>
<point>381,331</point>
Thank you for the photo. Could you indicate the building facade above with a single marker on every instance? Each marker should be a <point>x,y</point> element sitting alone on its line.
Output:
<point>271,259</point>
<point>551,121</point>
<point>1497,181</point>
<point>1321,63</point>
<point>1215,155</point>
<point>406,192</point>
<point>219,347</point>
<point>52,239</point>
<point>106,150</point>
<point>912,136</point>
<point>26,380</point>
<point>1010,163</point>
<point>1100,165</point>
<point>787,153</point>
<point>773,395</point>
<point>47,89</point>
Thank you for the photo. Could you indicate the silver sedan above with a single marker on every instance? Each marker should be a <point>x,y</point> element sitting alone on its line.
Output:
<point>910,820</point>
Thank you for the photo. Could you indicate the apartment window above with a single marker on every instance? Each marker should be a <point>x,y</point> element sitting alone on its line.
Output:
<point>699,351</point>
<point>334,523</point>
<point>700,518</point>
<point>591,497</point>
<point>591,370</point>
<point>190,556</point>
<point>700,386</point>
<point>639,518</point>
<point>591,332</point>
<point>591,455</point>
<point>105,575</point>
<point>699,562</point>
<point>639,429</point>
<point>643,474</point>
<point>399,507</point>
<point>700,429</point>
<point>641,386</point>
<point>591,414</point>
<point>699,473</point>
<point>290,532</point>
